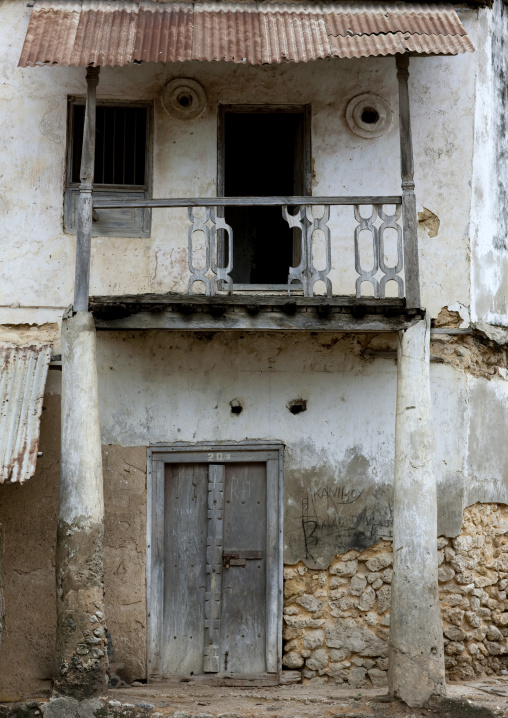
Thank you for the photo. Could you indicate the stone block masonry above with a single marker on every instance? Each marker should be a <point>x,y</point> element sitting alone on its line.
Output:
<point>473,581</point>
<point>337,622</point>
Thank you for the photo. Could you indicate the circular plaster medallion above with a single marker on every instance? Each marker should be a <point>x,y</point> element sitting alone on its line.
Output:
<point>369,115</point>
<point>183,99</point>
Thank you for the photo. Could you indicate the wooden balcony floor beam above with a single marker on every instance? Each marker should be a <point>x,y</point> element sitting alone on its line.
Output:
<point>251,313</point>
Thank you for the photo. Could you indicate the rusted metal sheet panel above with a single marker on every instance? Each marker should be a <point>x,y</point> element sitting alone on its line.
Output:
<point>119,33</point>
<point>23,372</point>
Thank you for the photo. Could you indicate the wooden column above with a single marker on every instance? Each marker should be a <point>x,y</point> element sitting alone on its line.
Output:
<point>85,208</point>
<point>411,266</point>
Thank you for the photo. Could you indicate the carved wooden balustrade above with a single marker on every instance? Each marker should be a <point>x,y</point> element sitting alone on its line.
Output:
<point>209,235</point>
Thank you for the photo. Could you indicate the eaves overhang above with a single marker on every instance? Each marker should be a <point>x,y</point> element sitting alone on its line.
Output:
<point>117,33</point>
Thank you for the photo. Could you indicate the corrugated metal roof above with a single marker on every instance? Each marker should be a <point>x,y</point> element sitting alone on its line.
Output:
<point>23,372</point>
<point>97,32</point>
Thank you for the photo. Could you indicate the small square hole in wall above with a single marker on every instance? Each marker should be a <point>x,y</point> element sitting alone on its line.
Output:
<point>297,406</point>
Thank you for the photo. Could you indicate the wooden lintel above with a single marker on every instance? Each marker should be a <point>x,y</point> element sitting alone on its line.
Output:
<point>240,320</point>
<point>261,300</point>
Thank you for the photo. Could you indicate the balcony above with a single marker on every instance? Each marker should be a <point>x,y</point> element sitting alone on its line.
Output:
<point>352,270</point>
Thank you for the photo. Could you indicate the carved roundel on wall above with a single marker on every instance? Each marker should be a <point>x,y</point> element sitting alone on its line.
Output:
<point>369,115</point>
<point>183,99</point>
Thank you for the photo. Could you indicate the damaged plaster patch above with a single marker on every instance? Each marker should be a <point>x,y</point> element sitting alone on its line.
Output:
<point>430,221</point>
<point>455,315</point>
<point>448,318</point>
<point>26,334</point>
<point>473,354</point>
<point>335,508</point>
<point>497,334</point>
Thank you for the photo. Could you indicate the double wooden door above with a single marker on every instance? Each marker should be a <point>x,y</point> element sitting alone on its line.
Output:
<point>215,599</point>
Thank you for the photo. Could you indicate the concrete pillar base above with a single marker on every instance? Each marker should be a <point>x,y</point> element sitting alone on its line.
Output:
<point>416,656</point>
<point>81,630</point>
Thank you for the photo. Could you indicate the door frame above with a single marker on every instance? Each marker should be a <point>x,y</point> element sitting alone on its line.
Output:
<point>209,452</point>
<point>267,109</point>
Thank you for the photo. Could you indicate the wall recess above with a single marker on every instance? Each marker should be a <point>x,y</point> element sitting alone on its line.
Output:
<point>183,99</point>
<point>369,115</point>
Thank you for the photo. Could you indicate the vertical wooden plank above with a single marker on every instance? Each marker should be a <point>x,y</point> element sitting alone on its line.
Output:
<point>85,208</point>
<point>213,599</point>
<point>409,219</point>
<point>155,576</point>
<point>244,611</point>
<point>272,566</point>
<point>185,510</point>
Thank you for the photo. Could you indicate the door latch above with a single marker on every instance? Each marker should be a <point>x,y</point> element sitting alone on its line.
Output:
<point>238,558</point>
<point>232,559</point>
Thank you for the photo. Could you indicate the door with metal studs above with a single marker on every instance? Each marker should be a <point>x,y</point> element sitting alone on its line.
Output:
<point>214,554</point>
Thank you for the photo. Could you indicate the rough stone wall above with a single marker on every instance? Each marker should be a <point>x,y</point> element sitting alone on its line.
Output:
<point>336,622</point>
<point>473,578</point>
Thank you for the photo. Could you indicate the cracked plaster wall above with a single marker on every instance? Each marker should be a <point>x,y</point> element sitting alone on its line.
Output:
<point>489,224</point>
<point>339,452</point>
<point>28,522</point>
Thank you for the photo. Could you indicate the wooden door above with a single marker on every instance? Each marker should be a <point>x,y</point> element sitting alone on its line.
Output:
<point>215,601</point>
<point>243,619</point>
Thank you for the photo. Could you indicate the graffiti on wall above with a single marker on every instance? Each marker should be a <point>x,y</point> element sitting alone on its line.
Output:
<point>331,513</point>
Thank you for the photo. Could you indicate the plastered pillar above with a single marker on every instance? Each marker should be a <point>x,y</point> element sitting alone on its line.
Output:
<point>416,657</point>
<point>81,640</point>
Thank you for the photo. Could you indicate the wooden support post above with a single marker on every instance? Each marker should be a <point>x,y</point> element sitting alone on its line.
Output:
<point>85,209</point>
<point>411,268</point>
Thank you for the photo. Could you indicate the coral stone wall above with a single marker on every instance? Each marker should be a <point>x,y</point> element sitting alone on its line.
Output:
<point>336,622</point>
<point>473,577</point>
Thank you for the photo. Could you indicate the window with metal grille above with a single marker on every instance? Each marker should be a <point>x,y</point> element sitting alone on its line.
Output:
<point>122,166</point>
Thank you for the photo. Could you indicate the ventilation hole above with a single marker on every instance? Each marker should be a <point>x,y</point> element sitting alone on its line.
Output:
<point>370,116</point>
<point>297,406</point>
<point>236,407</point>
<point>185,100</point>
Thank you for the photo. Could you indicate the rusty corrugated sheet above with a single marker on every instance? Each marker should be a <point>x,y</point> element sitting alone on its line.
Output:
<point>23,372</point>
<point>117,33</point>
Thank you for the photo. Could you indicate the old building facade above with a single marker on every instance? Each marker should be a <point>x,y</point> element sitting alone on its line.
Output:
<point>262,251</point>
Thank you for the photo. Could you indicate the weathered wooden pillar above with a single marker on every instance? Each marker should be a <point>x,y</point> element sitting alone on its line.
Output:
<point>409,218</point>
<point>84,216</point>
<point>416,654</point>
<point>81,639</point>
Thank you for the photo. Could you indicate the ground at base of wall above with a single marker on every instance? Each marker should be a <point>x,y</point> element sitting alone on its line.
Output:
<point>465,700</point>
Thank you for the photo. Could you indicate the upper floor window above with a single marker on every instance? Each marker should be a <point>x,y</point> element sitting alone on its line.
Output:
<point>122,166</point>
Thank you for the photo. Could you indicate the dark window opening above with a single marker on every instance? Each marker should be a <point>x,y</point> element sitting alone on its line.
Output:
<point>263,157</point>
<point>122,169</point>
<point>120,149</point>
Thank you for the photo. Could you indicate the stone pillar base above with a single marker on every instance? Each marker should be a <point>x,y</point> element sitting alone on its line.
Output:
<point>81,630</point>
